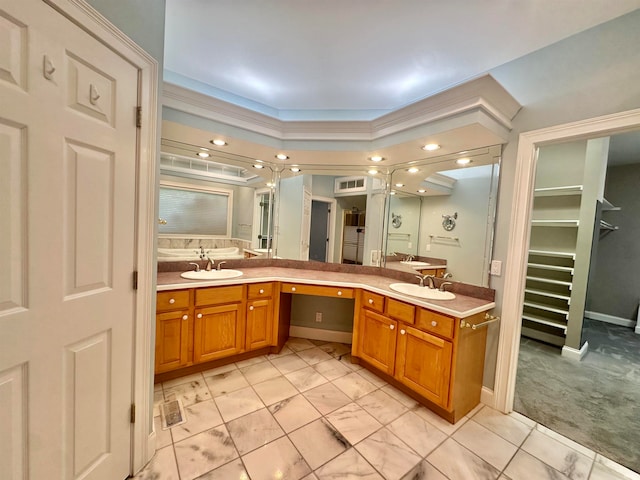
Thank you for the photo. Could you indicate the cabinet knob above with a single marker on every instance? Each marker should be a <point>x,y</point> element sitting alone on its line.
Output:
<point>403,331</point>
<point>185,317</point>
<point>391,327</point>
<point>199,315</point>
<point>434,323</point>
<point>172,301</point>
<point>339,292</point>
<point>251,307</point>
<point>371,301</point>
<point>262,290</point>
<point>293,289</point>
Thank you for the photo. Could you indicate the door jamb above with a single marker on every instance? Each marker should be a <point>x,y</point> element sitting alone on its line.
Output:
<point>333,204</point>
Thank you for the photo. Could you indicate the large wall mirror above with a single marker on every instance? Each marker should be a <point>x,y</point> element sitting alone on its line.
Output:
<point>442,212</point>
<point>227,206</point>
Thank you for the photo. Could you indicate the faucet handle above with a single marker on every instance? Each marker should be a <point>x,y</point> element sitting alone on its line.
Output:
<point>219,267</point>
<point>197,269</point>
<point>421,278</point>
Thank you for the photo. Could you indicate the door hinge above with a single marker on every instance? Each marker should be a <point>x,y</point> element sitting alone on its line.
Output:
<point>138,117</point>
<point>135,280</point>
<point>133,413</point>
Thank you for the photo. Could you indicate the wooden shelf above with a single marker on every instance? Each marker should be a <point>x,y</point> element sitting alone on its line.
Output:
<point>550,253</point>
<point>555,268</point>
<point>555,223</point>
<point>558,191</point>
<point>549,280</point>
<point>546,293</point>
<point>547,308</point>
<point>545,321</point>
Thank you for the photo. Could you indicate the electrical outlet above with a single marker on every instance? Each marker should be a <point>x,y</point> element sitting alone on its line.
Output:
<point>496,267</point>
<point>428,247</point>
<point>318,317</point>
<point>409,245</point>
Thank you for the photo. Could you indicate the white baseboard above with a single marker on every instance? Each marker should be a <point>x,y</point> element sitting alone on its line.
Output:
<point>320,334</point>
<point>603,317</point>
<point>574,354</point>
<point>487,398</point>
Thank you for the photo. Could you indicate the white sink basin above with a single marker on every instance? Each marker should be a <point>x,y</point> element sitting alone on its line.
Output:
<point>415,264</point>
<point>422,292</point>
<point>211,274</point>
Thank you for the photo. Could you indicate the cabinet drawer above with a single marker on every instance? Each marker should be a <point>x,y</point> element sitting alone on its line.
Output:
<point>172,300</point>
<point>435,323</point>
<point>400,310</point>
<point>260,290</point>
<point>218,295</point>
<point>317,290</point>
<point>372,301</point>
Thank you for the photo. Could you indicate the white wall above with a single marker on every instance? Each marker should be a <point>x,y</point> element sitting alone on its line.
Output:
<point>140,20</point>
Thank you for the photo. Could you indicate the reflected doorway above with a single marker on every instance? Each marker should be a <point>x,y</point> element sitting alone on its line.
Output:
<point>322,227</point>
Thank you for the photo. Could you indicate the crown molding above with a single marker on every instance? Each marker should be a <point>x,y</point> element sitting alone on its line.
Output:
<point>483,93</point>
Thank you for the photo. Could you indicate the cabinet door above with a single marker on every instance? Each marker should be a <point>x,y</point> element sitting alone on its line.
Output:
<point>172,330</point>
<point>218,332</point>
<point>424,364</point>
<point>378,340</point>
<point>259,324</point>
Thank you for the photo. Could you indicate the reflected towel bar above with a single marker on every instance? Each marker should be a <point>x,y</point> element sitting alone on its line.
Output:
<point>443,237</point>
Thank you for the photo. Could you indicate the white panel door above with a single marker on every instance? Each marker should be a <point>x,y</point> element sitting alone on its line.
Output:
<point>67,235</point>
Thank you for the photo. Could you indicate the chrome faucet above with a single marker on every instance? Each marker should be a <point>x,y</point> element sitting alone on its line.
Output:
<point>430,282</point>
<point>197,269</point>
<point>219,267</point>
<point>409,258</point>
<point>209,265</point>
<point>442,285</point>
<point>447,275</point>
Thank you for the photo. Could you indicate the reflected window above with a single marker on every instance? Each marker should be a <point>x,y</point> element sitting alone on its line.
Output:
<point>189,210</point>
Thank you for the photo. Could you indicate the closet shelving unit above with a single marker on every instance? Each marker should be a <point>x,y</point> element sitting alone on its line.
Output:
<point>606,227</point>
<point>550,266</point>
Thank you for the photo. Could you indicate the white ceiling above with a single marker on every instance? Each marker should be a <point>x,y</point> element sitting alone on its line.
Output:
<point>357,59</point>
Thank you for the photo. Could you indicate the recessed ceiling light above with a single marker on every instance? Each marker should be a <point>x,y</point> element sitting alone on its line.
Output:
<point>218,142</point>
<point>257,165</point>
<point>463,161</point>
<point>271,185</point>
<point>376,158</point>
<point>203,154</point>
<point>430,147</point>
<point>399,185</point>
<point>413,170</point>
<point>422,190</point>
<point>392,192</point>
<point>372,172</point>
<point>295,169</point>
<point>282,156</point>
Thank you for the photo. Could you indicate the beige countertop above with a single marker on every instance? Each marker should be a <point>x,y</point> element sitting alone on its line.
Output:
<point>462,306</point>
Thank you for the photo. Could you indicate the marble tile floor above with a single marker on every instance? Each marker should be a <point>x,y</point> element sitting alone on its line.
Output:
<point>306,415</point>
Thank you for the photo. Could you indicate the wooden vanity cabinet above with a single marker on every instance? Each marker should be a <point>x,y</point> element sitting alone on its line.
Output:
<point>174,320</point>
<point>429,353</point>
<point>219,327</point>
<point>260,315</point>
<point>437,272</point>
